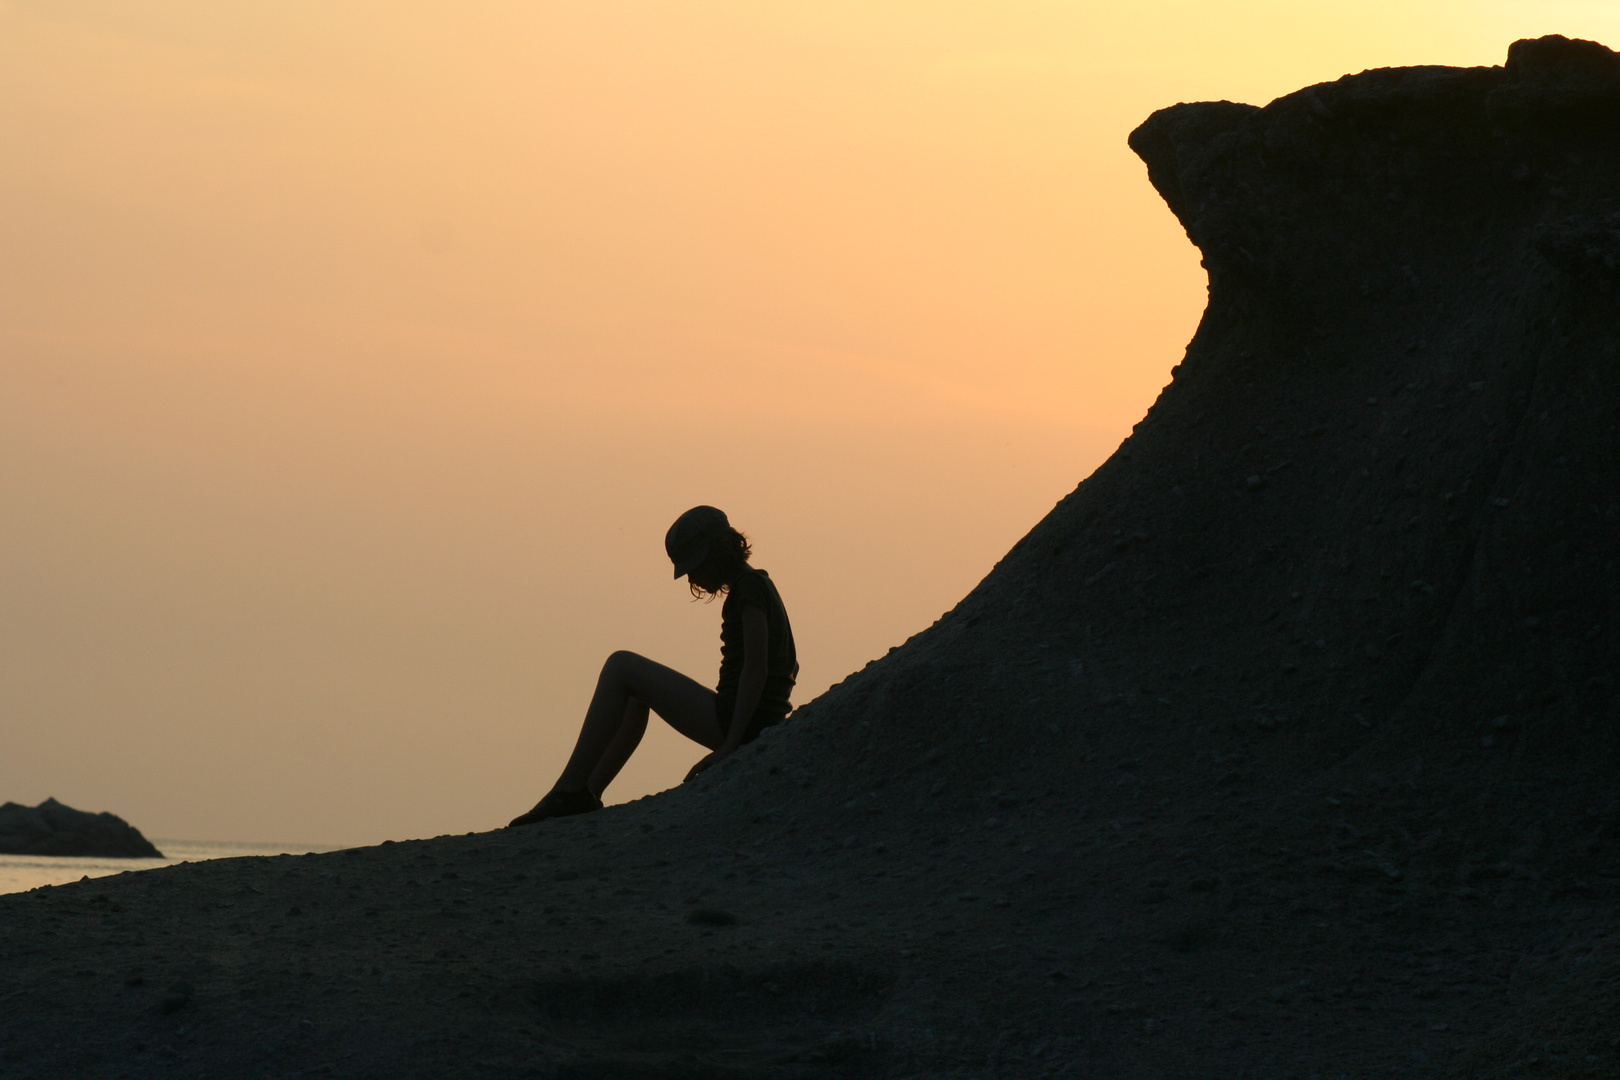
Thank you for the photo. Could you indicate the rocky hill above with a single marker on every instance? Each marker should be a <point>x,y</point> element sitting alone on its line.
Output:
<point>52,828</point>
<point>1285,746</point>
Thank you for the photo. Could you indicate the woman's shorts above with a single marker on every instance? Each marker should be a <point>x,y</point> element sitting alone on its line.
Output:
<point>764,717</point>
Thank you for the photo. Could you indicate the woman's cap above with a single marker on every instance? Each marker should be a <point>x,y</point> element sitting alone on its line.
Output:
<point>687,541</point>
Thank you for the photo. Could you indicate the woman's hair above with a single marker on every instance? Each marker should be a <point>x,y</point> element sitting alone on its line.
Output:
<point>728,555</point>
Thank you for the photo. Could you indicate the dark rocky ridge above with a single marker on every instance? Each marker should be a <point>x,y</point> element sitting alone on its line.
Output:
<point>52,828</point>
<point>1284,746</point>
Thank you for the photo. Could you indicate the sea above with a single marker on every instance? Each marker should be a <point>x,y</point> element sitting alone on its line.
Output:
<point>19,873</point>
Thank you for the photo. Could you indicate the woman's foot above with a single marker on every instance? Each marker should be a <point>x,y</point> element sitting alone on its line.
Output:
<point>559,804</point>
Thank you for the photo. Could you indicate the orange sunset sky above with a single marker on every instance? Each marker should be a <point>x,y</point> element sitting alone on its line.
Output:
<point>354,356</point>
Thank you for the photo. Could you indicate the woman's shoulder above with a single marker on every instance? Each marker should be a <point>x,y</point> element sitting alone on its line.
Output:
<point>753,586</point>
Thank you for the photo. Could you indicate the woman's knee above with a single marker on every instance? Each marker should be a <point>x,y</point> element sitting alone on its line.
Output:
<point>620,664</point>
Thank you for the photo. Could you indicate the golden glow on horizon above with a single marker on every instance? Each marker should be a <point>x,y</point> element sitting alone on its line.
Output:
<point>355,356</point>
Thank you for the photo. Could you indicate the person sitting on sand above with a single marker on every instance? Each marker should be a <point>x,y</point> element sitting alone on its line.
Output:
<point>758,667</point>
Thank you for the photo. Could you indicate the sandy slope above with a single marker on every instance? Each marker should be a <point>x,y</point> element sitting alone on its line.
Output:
<point>1283,747</point>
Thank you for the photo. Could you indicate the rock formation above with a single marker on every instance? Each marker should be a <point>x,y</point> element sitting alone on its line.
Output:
<point>54,829</point>
<point>1284,746</point>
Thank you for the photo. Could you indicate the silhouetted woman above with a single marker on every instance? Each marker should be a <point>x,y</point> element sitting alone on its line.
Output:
<point>758,666</point>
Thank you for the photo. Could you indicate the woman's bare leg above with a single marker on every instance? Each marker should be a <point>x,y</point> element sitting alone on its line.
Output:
<point>631,729</point>
<point>685,704</point>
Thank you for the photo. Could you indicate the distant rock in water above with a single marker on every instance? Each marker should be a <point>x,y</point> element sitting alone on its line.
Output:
<point>54,829</point>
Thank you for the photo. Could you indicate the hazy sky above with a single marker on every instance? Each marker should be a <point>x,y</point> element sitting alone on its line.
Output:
<point>355,356</point>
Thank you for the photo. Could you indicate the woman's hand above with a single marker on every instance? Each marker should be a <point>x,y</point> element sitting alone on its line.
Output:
<point>750,685</point>
<point>710,760</point>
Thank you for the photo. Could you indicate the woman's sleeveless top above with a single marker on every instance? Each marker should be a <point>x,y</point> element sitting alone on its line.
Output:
<point>754,588</point>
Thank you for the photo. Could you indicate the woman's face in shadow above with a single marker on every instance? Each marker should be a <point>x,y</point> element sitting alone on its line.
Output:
<point>705,578</point>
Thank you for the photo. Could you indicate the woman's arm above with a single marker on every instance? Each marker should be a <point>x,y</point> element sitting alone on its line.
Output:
<point>751,682</point>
